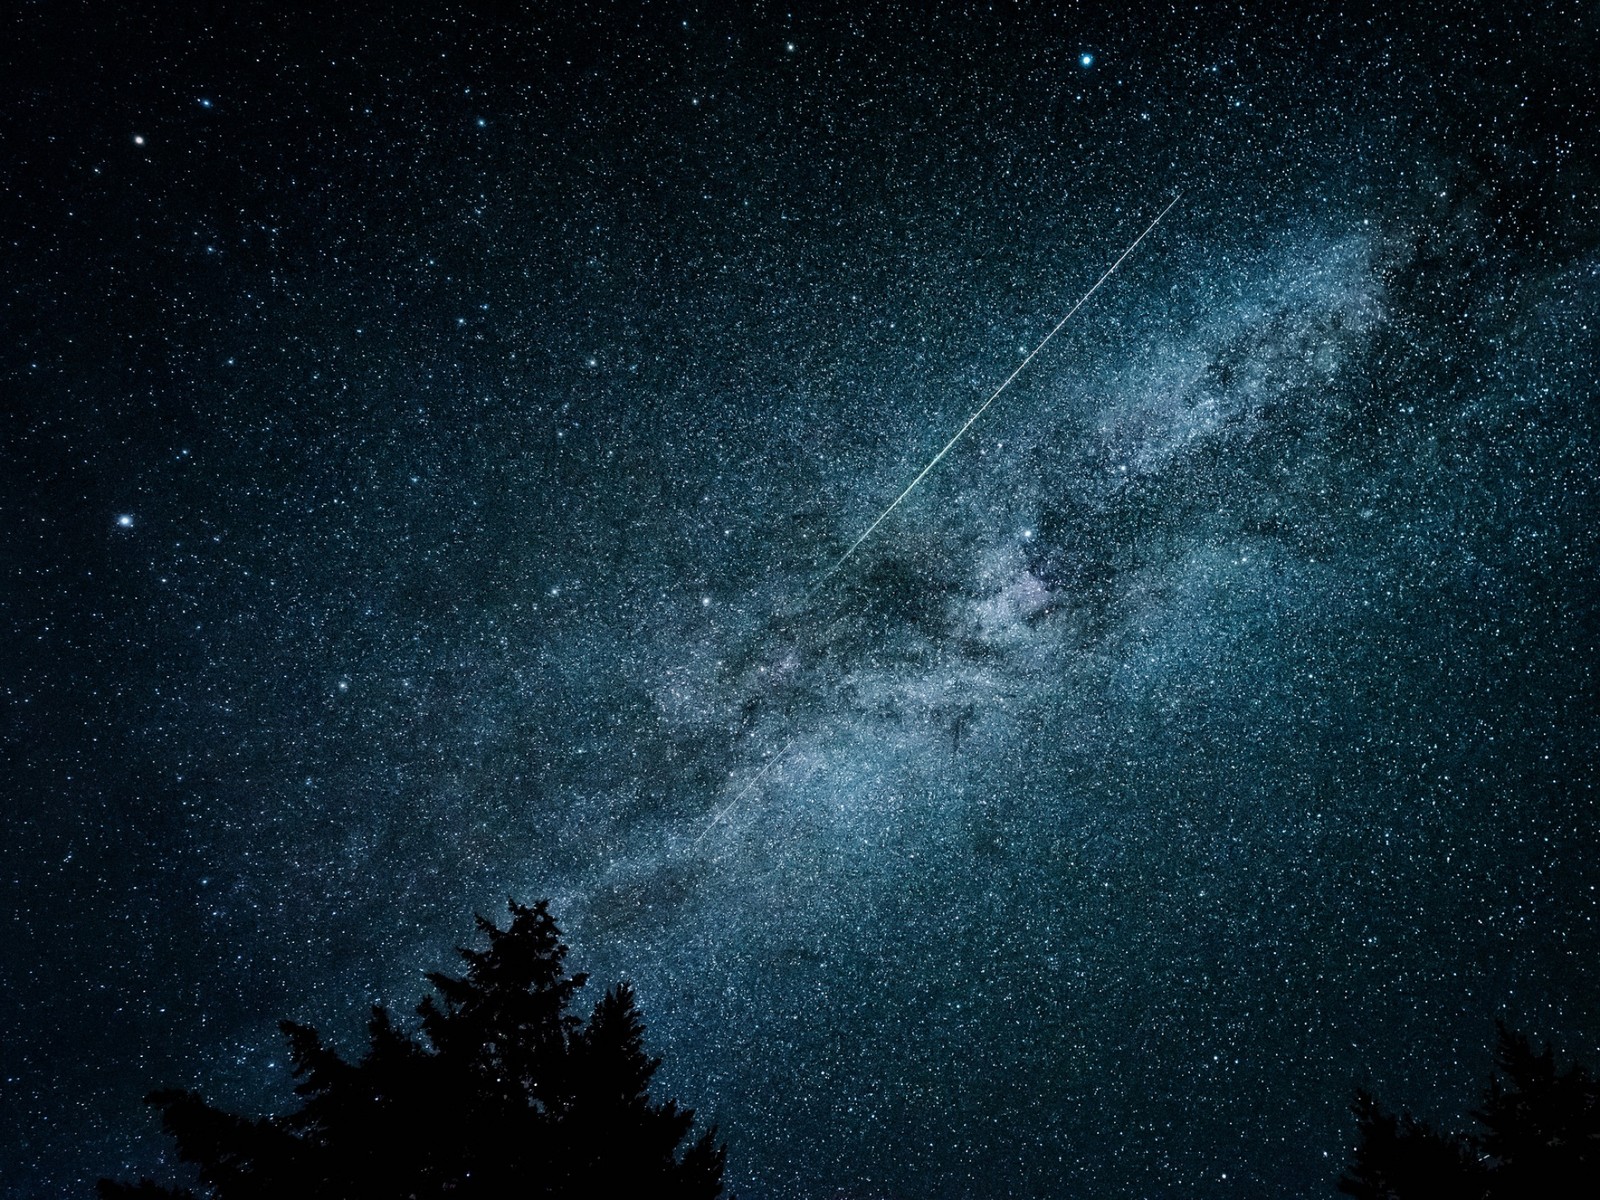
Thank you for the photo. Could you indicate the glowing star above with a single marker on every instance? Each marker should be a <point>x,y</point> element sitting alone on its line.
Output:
<point>125,521</point>
<point>1086,60</point>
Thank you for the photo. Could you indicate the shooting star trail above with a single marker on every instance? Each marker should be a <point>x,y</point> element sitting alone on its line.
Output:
<point>746,790</point>
<point>923,474</point>
<point>910,487</point>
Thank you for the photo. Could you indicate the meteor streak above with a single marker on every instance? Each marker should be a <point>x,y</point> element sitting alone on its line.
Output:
<point>755,780</point>
<point>923,474</point>
<point>746,790</point>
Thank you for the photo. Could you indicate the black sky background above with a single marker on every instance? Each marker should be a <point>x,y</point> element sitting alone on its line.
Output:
<point>424,429</point>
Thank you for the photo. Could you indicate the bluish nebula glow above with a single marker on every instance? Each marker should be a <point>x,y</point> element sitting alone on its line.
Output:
<point>1209,724</point>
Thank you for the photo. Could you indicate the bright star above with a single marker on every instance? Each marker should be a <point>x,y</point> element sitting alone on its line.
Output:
<point>1086,60</point>
<point>125,520</point>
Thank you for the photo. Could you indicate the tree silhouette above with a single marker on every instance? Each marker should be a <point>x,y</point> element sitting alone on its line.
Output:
<point>1539,1136</point>
<point>511,1095</point>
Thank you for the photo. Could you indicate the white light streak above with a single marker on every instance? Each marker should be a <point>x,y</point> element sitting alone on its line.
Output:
<point>746,790</point>
<point>982,408</point>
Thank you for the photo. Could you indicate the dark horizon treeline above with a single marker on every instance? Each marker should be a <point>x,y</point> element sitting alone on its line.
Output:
<point>1539,1136</point>
<point>512,1095</point>
<point>515,1094</point>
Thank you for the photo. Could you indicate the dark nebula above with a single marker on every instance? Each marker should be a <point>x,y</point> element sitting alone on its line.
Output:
<point>426,428</point>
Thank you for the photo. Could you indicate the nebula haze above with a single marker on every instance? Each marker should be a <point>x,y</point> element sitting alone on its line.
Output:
<point>432,434</point>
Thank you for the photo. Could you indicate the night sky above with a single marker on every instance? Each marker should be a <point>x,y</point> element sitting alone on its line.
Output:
<point>425,434</point>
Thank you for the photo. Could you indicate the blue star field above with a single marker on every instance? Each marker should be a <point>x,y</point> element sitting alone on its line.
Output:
<point>426,433</point>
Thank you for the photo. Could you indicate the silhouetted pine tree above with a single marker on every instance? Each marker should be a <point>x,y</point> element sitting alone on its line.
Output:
<point>512,1095</point>
<point>1540,1137</point>
<point>1541,1126</point>
<point>1399,1157</point>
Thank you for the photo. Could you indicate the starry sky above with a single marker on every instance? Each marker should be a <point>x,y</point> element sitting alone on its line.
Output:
<point>426,432</point>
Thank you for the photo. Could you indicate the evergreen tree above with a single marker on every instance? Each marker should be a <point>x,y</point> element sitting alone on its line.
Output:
<point>1399,1157</point>
<point>512,1094</point>
<point>1539,1136</point>
<point>1541,1126</point>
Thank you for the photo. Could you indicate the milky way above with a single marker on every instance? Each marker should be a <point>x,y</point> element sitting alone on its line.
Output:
<point>432,431</point>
